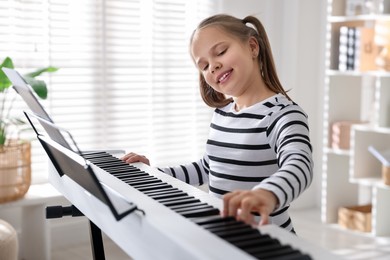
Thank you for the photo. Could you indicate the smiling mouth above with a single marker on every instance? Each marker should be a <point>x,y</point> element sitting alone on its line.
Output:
<point>224,76</point>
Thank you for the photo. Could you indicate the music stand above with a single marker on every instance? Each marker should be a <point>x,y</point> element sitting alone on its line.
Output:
<point>71,163</point>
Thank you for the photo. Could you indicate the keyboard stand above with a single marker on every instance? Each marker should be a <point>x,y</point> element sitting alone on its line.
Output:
<point>95,232</point>
<point>96,242</point>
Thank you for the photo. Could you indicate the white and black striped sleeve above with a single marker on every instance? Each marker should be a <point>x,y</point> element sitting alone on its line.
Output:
<point>288,134</point>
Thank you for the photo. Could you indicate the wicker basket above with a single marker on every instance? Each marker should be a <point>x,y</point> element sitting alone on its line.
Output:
<point>356,217</point>
<point>15,170</point>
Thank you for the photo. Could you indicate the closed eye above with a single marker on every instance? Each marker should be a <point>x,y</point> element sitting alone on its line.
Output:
<point>222,52</point>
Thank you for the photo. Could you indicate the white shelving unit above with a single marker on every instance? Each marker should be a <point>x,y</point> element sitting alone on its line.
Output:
<point>353,177</point>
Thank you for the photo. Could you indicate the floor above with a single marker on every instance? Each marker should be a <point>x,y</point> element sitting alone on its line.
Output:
<point>345,243</point>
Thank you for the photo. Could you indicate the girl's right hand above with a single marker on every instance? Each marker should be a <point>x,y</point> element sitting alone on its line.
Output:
<point>133,157</point>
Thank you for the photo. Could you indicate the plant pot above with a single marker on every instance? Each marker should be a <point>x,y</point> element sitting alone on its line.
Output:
<point>15,170</point>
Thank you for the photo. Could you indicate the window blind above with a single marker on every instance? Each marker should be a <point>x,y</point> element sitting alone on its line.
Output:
<point>126,79</point>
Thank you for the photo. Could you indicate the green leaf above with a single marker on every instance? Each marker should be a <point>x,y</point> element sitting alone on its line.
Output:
<point>2,138</point>
<point>40,71</point>
<point>4,81</point>
<point>39,86</point>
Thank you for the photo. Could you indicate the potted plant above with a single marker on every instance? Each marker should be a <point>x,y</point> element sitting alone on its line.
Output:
<point>15,153</point>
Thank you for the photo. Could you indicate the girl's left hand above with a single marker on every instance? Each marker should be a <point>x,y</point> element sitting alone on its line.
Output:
<point>241,203</point>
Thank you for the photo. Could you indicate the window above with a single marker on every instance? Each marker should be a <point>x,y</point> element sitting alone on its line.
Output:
<point>126,79</point>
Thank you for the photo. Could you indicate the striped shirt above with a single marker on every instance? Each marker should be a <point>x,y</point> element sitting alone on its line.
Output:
<point>264,146</point>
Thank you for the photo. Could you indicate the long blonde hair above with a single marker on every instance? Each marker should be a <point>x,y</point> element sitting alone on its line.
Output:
<point>239,29</point>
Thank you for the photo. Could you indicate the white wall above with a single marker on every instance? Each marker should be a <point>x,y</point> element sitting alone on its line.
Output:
<point>296,29</point>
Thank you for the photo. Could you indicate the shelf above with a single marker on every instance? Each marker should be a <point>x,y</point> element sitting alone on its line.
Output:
<point>371,128</point>
<point>359,18</point>
<point>370,182</point>
<point>352,73</point>
<point>356,114</point>
<point>338,151</point>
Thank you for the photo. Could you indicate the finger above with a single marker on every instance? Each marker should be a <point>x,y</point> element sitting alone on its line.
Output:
<point>235,204</point>
<point>264,213</point>
<point>264,219</point>
<point>247,206</point>
<point>232,203</point>
<point>226,199</point>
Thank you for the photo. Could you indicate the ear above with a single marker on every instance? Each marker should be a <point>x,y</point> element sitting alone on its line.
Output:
<point>254,46</point>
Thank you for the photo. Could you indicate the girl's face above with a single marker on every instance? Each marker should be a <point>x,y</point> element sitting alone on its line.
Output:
<point>227,64</point>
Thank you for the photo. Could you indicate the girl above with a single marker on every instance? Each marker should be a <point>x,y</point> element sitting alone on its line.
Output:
<point>258,156</point>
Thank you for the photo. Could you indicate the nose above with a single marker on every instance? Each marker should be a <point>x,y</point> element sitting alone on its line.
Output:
<point>215,66</point>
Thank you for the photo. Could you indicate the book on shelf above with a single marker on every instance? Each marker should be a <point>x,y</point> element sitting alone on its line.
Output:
<point>382,39</point>
<point>357,49</point>
<point>382,155</point>
<point>367,50</point>
<point>346,49</point>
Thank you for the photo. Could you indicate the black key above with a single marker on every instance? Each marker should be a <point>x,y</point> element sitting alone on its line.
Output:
<point>230,233</point>
<point>147,185</point>
<point>127,175</point>
<point>90,155</point>
<point>140,181</point>
<point>121,171</point>
<point>174,199</point>
<point>223,224</point>
<point>180,202</point>
<point>296,255</point>
<point>159,189</point>
<point>168,195</point>
<point>161,192</point>
<point>101,159</point>
<point>266,248</point>
<point>255,241</point>
<point>200,212</point>
<point>112,167</point>
<point>109,161</point>
<point>187,206</point>
<point>127,171</point>
<point>97,158</point>
<point>231,226</point>
<point>245,237</point>
<point>146,181</point>
<point>153,187</point>
<point>108,164</point>
<point>214,219</point>
<point>98,155</point>
<point>138,178</point>
<point>275,251</point>
<point>133,178</point>
<point>191,206</point>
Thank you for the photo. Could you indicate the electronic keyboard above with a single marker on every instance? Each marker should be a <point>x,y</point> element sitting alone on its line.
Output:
<point>174,220</point>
